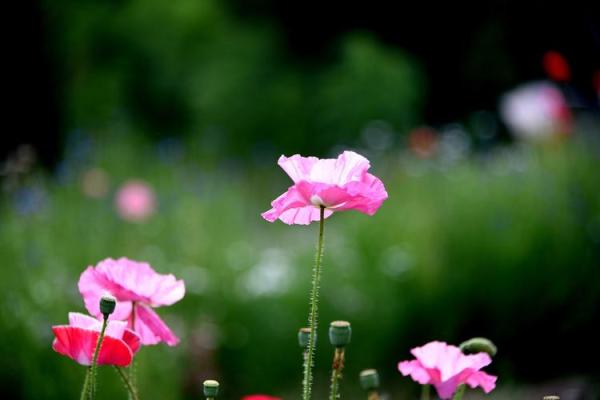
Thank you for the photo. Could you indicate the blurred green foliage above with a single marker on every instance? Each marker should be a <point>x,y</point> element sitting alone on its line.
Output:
<point>505,247</point>
<point>188,67</point>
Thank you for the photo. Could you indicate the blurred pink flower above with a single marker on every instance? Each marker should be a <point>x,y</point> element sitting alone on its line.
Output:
<point>445,367</point>
<point>78,341</point>
<point>338,184</point>
<point>260,397</point>
<point>135,201</point>
<point>137,288</point>
<point>536,111</point>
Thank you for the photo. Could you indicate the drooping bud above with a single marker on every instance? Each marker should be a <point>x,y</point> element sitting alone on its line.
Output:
<point>211,388</point>
<point>369,379</point>
<point>304,337</point>
<point>107,305</point>
<point>340,333</point>
<point>478,345</point>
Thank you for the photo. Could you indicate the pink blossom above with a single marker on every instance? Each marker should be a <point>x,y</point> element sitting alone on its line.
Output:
<point>78,341</point>
<point>135,201</point>
<point>137,288</point>
<point>445,367</point>
<point>337,184</point>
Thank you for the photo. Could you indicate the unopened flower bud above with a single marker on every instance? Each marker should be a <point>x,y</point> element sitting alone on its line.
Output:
<point>107,305</point>
<point>211,388</point>
<point>304,337</point>
<point>340,333</point>
<point>369,379</point>
<point>478,345</point>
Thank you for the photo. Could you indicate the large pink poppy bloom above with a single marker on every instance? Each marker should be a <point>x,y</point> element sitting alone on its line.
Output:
<point>337,184</point>
<point>78,341</point>
<point>445,367</point>
<point>260,397</point>
<point>137,288</point>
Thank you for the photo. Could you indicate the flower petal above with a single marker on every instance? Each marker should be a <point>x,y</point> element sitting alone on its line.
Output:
<point>416,371</point>
<point>485,381</point>
<point>151,328</point>
<point>79,344</point>
<point>297,167</point>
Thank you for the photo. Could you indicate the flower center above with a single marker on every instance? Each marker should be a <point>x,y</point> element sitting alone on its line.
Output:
<point>317,201</point>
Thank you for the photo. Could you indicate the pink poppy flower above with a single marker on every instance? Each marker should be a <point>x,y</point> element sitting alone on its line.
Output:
<point>78,341</point>
<point>135,201</point>
<point>260,397</point>
<point>445,367</point>
<point>337,184</point>
<point>137,288</point>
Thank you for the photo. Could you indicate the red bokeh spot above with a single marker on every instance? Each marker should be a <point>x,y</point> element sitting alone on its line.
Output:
<point>556,66</point>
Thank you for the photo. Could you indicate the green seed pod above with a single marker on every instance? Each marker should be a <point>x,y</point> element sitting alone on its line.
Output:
<point>107,304</point>
<point>369,379</point>
<point>340,333</point>
<point>478,345</point>
<point>304,337</point>
<point>211,388</point>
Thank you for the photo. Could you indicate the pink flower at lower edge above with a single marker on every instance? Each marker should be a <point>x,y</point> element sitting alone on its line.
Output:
<point>337,184</point>
<point>78,341</point>
<point>445,367</point>
<point>137,288</point>
<point>260,397</point>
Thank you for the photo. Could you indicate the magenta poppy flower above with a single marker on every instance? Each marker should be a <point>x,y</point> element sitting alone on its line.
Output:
<point>135,201</point>
<point>137,288</point>
<point>337,184</point>
<point>260,397</point>
<point>78,341</point>
<point>445,367</point>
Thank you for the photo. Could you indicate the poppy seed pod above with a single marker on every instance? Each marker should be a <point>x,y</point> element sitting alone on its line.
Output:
<point>478,345</point>
<point>107,305</point>
<point>211,388</point>
<point>304,337</point>
<point>340,333</point>
<point>369,379</point>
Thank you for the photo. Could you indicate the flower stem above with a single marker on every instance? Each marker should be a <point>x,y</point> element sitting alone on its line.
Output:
<point>458,395</point>
<point>425,392</point>
<point>336,372</point>
<point>130,389</point>
<point>132,367</point>
<point>314,311</point>
<point>94,367</point>
<point>86,384</point>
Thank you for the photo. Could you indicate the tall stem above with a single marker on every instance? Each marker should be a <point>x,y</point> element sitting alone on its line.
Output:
<point>94,367</point>
<point>132,375</point>
<point>336,372</point>
<point>314,311</point>
<point>86,384</point>
<point>458,395</point>
<point>425,392</point>
<point>130,389</point>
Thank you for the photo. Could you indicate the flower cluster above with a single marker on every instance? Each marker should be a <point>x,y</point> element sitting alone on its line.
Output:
<point>137,289</point>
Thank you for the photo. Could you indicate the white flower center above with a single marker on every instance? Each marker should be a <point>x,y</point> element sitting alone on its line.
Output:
<point>317,201</point>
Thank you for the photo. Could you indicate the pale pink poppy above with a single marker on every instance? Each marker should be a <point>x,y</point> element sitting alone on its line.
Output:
<point>135,201</point>
<point>137,288</point>
<point>445,367</point>
<point>78,341</point>
<point>337,184</point>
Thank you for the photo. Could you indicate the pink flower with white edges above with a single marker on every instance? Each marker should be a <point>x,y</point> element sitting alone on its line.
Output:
<point>78,341</point>
<point>338,184</point>
<point>445,367</point>
<point>137,288</point>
